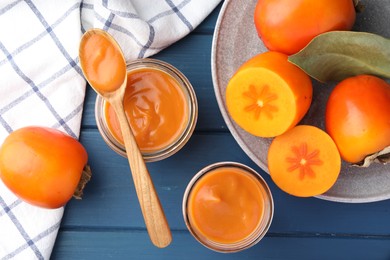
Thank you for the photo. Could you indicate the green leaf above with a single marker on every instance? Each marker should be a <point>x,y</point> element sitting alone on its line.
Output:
<point>334,56</point>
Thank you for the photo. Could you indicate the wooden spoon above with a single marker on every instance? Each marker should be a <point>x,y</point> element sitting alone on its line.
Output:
<point>104,67</point>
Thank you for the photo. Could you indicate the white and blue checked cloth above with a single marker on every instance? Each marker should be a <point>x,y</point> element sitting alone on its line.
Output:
<point>41,82</point>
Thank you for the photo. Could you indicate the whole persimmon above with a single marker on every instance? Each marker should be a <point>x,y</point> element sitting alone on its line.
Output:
<point>289,25</point>
<point>42,166</point>
<point>358,116</point>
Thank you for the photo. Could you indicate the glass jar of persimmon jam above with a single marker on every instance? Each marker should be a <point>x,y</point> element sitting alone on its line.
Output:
<point>160,105</point>
<point>228,207</point>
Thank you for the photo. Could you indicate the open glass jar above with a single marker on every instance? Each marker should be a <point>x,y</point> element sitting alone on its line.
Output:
<point>149,105</point>
<point>228,207</point>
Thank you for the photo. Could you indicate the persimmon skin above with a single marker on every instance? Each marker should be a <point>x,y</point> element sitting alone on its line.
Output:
<point>358,116</point>
<point>41,165</point>
<point>289,25</point>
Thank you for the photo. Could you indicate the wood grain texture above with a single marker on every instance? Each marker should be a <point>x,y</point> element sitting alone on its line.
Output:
<point>153,214</point>
<point>110,200</point>
<point>124,244</point>
<point>151,208</point>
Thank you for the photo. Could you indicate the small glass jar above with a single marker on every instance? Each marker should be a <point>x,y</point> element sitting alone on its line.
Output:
<point>187,131</point>
<point>217,199</point>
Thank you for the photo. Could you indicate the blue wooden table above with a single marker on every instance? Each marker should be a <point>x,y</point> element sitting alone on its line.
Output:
<point>107,223</point>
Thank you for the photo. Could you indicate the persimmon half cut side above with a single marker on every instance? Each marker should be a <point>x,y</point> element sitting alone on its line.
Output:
<point>304,161</point>
<point>268,95</point>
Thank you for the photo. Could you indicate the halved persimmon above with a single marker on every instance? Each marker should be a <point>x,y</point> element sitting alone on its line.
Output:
<point>304,161</point>
<point>268,95</point>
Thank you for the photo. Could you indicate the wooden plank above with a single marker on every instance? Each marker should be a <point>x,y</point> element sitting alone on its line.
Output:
<point>110,200</point>
<point>193,60</point>
<point>125,244</point>
<point>111,191</point>
<point>107,223</point>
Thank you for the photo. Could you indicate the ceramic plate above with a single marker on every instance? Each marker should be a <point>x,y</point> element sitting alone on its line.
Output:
<point>235,41</point>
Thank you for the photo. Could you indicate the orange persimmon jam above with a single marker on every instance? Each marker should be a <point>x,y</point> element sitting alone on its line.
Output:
<point>160,106</point>
<point>155,106</point>
<point>228,207</point>
<point>104,65</point>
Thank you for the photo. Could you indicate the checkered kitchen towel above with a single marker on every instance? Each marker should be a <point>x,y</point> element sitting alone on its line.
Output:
<point>41,82</point>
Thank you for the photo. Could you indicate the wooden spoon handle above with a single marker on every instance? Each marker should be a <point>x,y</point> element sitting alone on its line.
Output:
<point>152,211</point>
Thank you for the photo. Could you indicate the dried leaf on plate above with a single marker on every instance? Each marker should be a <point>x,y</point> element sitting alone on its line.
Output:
<point>380,157</point>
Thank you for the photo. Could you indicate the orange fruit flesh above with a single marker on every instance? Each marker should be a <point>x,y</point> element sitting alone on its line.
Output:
<point>304,161</point>
<point>268,95</point>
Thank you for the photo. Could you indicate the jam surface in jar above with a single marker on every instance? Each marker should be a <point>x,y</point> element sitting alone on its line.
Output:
<point>156,107</point>
<point>226,205</point>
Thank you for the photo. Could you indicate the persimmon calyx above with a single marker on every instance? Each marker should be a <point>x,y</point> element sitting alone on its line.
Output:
<point>382,156</point>
<point>84,179</point>
<point>359,7</point>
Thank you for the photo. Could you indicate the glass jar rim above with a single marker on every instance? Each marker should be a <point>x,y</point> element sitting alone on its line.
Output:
<point>260,230</point>
<point>188,130</point>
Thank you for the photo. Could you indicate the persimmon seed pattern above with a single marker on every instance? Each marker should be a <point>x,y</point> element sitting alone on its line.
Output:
<point>303,160</point>
<point>261,101</point>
